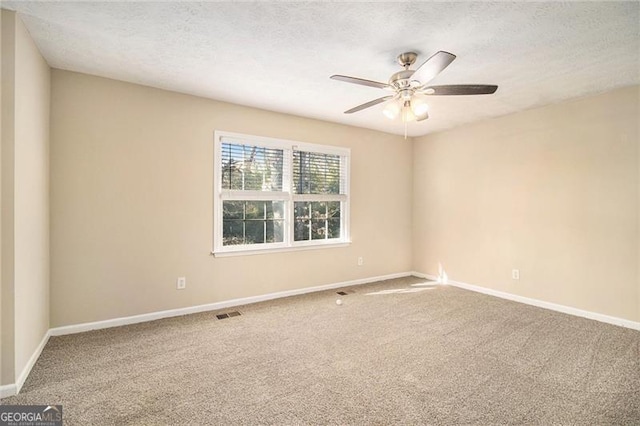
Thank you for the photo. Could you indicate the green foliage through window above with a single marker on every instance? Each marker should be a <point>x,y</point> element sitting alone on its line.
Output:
<point>316,220</point>
<point>252,222</point>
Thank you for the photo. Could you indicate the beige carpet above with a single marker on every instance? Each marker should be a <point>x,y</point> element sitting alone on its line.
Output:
<point>396,352</point>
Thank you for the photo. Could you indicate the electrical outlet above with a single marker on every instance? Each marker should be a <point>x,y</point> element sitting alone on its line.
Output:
<point>360,261</point>
<point>181,284</point>
<point>515,274</point>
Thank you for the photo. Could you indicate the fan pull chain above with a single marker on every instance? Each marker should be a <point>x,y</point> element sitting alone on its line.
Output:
<point>405,130</point>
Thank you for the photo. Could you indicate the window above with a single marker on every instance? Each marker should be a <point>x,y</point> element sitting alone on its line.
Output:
<point>274,194</point>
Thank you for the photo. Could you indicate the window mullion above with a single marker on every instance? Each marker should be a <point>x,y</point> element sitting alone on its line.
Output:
<point>326,221</point>
<point>244,223</point>
<point>310,220</point>
<point>319,197</point>
<point>290,213</point>
<point>254,195</point>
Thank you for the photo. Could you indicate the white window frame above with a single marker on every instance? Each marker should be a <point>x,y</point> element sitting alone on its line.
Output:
<point>287,195</point>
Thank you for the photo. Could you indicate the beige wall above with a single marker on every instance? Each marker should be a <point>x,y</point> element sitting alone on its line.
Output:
<point>131,188</point>
<point>1,84</point>
<point>553,192</point>
<point>25,197</point>
<point>32,81</point>
<point>7,31</point>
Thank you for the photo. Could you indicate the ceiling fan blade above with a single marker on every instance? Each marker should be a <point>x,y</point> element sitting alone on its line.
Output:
<point>360,81</point>
<point>368,104</point>
<point>459,89</point>
<point>433,66</point>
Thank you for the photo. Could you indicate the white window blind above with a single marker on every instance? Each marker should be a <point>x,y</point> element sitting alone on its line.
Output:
<point>317,173</point>
<point>246,167</point>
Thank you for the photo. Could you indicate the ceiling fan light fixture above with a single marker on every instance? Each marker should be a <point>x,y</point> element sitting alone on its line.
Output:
<point>407,112</point>
<point>419,106</point>
<point>391,111</point>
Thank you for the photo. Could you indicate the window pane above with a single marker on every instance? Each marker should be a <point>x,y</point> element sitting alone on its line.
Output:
<point>233,210</point>
<point>232,232</point>
<point>318,229</point>
<point>275,210</point>
<point>316,173</point>
<point>333,209</point>
<point>333,219</point>
<point>334,228</point>
<point>252,222</point>
<point>318,210</point>
<point>301,210</point>
<point>275,231</point>
<point>301,225</point>
<point>254,233</point>
<point>318,220</point>
<point>301,230</point>
<point>251,168</point>
<point>255,209</point>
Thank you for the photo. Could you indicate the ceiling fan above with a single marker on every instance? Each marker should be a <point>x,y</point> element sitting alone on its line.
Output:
<point>410,86</point>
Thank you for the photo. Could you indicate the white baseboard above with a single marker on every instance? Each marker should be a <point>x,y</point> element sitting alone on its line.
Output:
<point>32,361</point>
<point>116,322</point>
<point>425,276</point>
<point>14,388</point>
<point>539,303</point>
<point>8,390</point>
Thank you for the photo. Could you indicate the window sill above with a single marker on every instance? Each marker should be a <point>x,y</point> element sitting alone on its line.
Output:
<point>250,252</point>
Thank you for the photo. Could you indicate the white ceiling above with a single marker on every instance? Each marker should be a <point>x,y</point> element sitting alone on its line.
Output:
<point>279,56</point>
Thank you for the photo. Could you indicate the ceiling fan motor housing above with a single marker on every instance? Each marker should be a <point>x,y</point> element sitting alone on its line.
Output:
<point>402,84</point>
<point>401,80</point>
<point>407,59</point>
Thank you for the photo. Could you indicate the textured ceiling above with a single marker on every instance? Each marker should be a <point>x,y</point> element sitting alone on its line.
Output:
<point>279,56</point>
